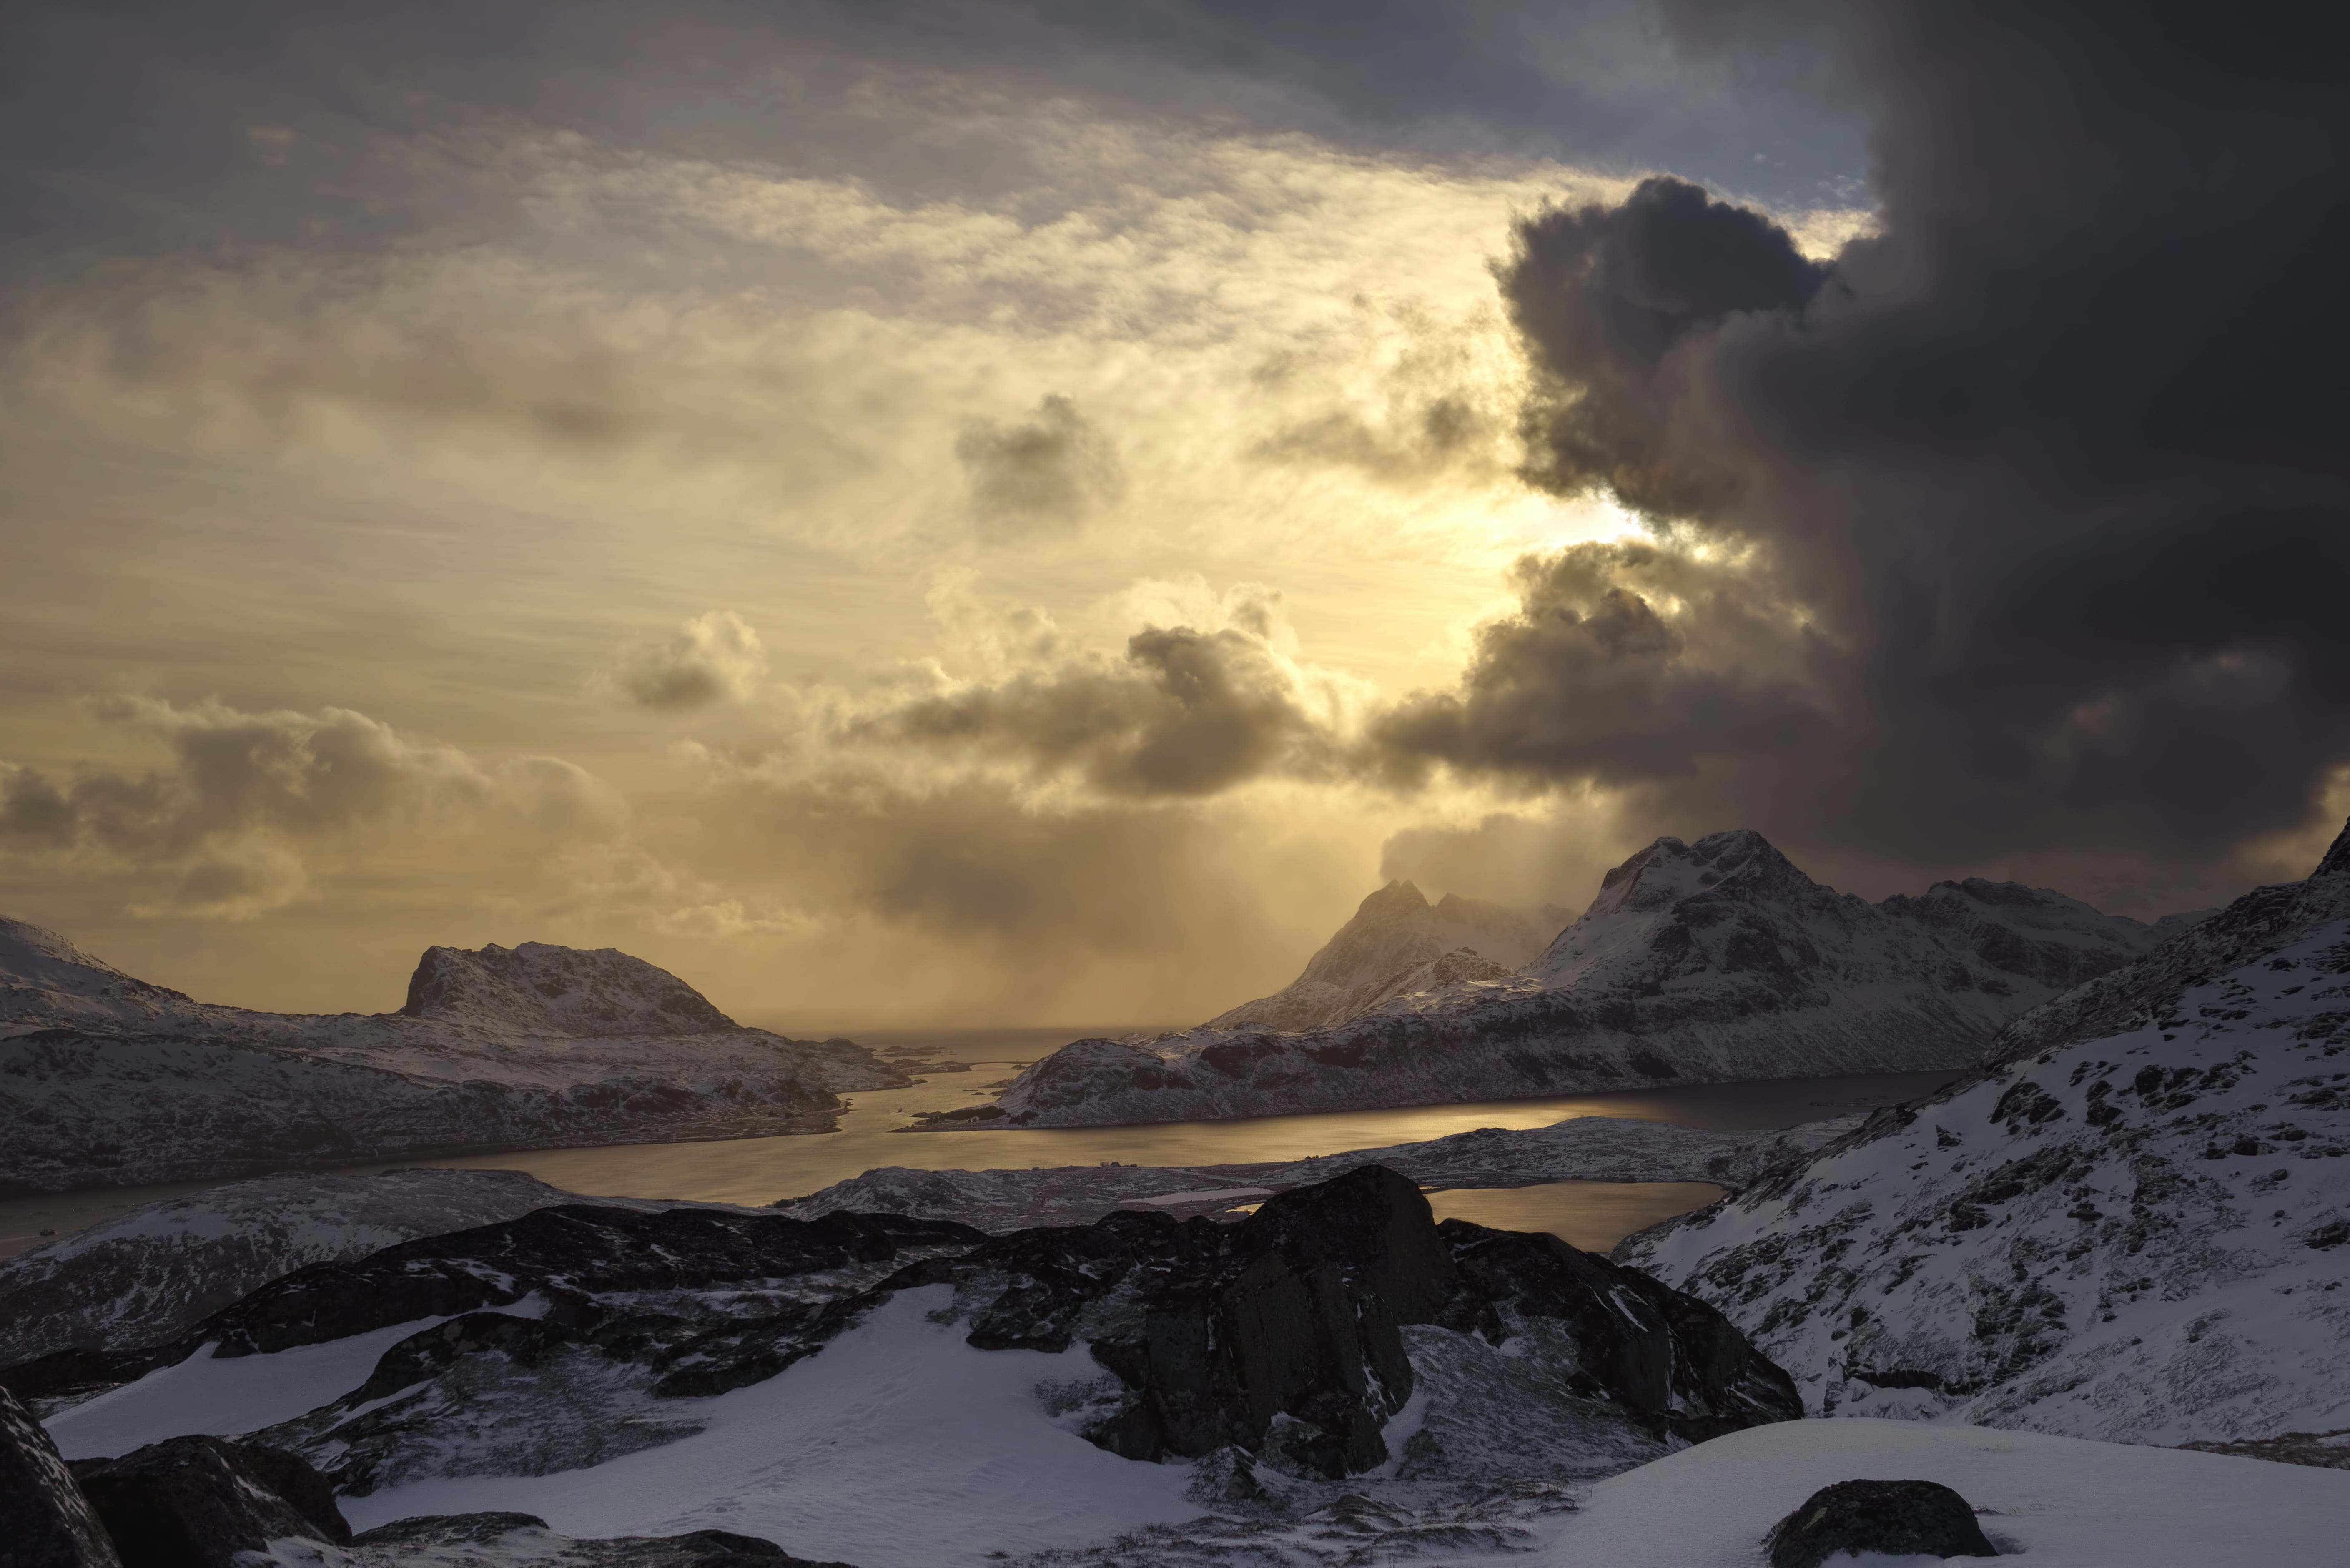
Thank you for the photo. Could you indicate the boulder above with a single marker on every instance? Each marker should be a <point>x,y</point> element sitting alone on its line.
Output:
<point>45,1520</point>
<point>1894,1517</point>
<point>199,1501</point>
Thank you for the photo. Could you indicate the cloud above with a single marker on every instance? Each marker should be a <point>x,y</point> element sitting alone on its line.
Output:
<point>225,826</point>
<point>713,657</point>
<point>2047,468</point>
<point>1184,712</point>
<point>1049,473</point>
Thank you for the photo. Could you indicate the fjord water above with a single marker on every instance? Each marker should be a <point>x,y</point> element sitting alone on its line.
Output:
<point>1591,1214</point>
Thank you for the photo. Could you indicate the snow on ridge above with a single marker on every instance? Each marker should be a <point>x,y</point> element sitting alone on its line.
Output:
<point>2129,1227</point>
<point>540,989</point>
<point>1716,961</point>
<point>34,958</point>
<point>1389,948</point>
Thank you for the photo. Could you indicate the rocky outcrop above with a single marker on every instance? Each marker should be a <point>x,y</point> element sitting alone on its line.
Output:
<point>45,1522</point>
<point>108,1081</point>
<point>1885,1518</point>
<point>204,1502</point>
<point>1284,1334</point>
<point>2129,1227</point>
<point>1717,961</point>
<point>1395,944</point>
<point>152,1274</point>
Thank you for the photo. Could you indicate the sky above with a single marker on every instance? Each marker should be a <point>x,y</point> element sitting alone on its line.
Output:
<point>1016,512</point>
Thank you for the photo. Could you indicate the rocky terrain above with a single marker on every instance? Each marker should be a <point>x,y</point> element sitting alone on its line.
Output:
<point>2132,1225</point>
<point>155,1273</point>
<point>1398,943</point>
<point>622,1373</point>
<point>1716,961</point>
<point>107,1080</point>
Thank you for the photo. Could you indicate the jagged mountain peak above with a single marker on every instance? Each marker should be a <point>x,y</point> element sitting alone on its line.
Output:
<point>1668,871</point>
<point>1398,899</point>
<point>2336,861</point>
<point>540,988</point>
<point>34,956</point>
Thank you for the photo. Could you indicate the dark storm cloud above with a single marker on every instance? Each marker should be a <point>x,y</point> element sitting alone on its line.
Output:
<point>1046,473</point>
<point>2052,469</point>
<point>1185,713</point>
<point>1587,680</point>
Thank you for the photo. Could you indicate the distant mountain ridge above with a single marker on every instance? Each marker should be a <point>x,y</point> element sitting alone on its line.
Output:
<point>1708,962</point>
<point>1392,947</point>
<point>107,1080</point>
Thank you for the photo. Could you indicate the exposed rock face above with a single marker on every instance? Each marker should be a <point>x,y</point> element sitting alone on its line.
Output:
<point>45,1520</point>
<point>1284,1332</point>
<point>535,988</point>
<point>202,1503</point>
<point>1890,1518</point>
<point>1397,944</point>
<point>1716,961</point>
<point>105,1080</point>
<point>2129,1227</point>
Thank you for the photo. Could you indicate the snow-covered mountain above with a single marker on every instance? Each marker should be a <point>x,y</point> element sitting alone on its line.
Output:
<point>1397,943</point>
<point>2133,1225</point>
<point>107,1080</point>
<point>1716,961</point>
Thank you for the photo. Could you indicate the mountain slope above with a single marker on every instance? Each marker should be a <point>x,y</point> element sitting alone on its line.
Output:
<point>106,1080</point>
<point>1390,948</point>
<point>1710,962</point>
<point>2131,1226</point>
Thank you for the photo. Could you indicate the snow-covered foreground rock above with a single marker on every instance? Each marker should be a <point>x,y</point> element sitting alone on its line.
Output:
<point>107,1080</point>
<point>2134,1225</point>
<point>155,1273</point>
<point>1398,943</point>
<point>892,1391</point>
<point>1584,1148</point>
<point>1713,962</point>
<point>2058,1502</point>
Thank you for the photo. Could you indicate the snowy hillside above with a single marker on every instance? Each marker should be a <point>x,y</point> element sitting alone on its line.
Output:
<point>1713,962</point>
<point>106,1080</point>
<point>898,1392</point>
<point>2134,1226</point>
<point>1390,949</point>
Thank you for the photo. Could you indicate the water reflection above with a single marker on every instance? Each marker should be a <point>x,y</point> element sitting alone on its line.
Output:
<point>1592,1215</point>
<point>764,1169</point>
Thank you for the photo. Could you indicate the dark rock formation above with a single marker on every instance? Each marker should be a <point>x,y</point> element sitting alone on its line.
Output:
<point>1897,1518</point>
<point>701,1549</point>
<point>197,1503</point>
<point>1282,1332</point>
<point>572,1255</point>
<point>45,1520</point>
